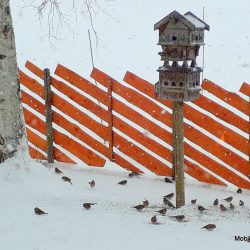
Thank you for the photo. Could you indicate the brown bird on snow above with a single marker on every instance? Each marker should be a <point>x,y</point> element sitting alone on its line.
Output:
<point>167,202</point>
<point>58,171</point>
<point>194,201</point>
<point>92,184</point>
<point>133,174</point>
<point>162,211</point>
<point>154,219</point>
<point>178,217</point>
<point>231,206</point>
<point>209,227</point>
<point>229,199</point>
<point>216,202</point>
<point>223,208</point>
<point>201,208</point>
<point>169,196</point>
<point>139,207</point>
<point>122,182</point>
<point>145,203</point>
<point>65,178</point>
<point>88,205</point>
<point>239,190</point>
<point>167,180</point>
<point>241,203</point>
<point>38,211</point>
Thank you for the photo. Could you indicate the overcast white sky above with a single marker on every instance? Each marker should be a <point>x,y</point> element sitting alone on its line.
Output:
<point>130,43</point>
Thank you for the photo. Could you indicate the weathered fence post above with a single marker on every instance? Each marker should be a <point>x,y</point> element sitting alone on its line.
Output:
<point>110,108</point>
<point>48,113</point>
<point>178,153</point>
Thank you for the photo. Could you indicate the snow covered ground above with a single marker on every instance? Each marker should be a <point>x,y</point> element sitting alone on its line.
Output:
<point>112,223</point>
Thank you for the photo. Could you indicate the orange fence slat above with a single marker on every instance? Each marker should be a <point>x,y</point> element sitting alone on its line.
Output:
<point>36,154</point>
<point>194,135</point>
<point>231,98</point>
<point>84,154</point>
<point>245,89</point>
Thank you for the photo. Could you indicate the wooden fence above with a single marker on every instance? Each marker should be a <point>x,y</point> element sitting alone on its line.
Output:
<point>136,126</point>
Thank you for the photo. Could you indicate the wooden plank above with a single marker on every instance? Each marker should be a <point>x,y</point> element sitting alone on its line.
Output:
<point>36,154</point>
<point>245,89</point>
<point>84,154</point>
<point>40,143</point>
<point>229,97</point>
<point>226,134</point>
<point>64,106</point>
<point>194,135</point>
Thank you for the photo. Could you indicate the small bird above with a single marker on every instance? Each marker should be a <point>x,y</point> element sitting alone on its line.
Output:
<point>38,211</point>
<point>241,203</point>
<point>167,180</point>
<point>209,227</point>
<point>239,190</point>
<point>201,208</point>
<point>178,217</point>
<point>88,205</point>
<point>167,202</point>
<point>231,206</point>
<point>58,171</point>
<point>194,201</point>
<point>169,196</point>
<point>65,178</point>
<point>92,184</point>
<point>229,199</point>
<point>145,203</point>
<point>133,174</point>
<point>122,182</point>
<point>162,211</point>
<point>216,202</point>
<point>154,219</point>
<point>223,208</point>
<point>139,207</point>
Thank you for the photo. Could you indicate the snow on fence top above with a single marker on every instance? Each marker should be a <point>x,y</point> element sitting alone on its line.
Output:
<point>126,112</point>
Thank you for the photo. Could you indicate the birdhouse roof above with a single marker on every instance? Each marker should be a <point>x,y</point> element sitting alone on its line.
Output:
<point>190,20</point>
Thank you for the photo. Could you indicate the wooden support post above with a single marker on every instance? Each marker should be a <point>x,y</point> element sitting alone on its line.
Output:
<point>179,153</point>
<point>110,108</point>
<point>48,113</point>
<point>174,146</point>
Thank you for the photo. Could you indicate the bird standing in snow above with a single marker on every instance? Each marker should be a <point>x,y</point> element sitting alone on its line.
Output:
<point>139,207</point>
<point>92,184</point>
<point>179,218</point>
<point>216,202</point>
<point>162,211</point>
<point>223,208</point>
<point>38,211</point>
<point>169,196</point>
<point>201,208</point>
<point>133,174</point>
<point>88,205</point>
<point>194,201</point>
<point>229,199</point>
<point>209,227</point>
<point>145,203</point>
<point>58,171</point>
<point>241,203</point>
<point>167,180</point>
<point>239,190</point>
<point>168,203</point>
<point>231,206</point>
<point>67,179</point>
<point>122,182</point>
<point>154,219</point>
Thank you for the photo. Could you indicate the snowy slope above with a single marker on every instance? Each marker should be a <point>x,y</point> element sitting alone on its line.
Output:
<point>112,223</point>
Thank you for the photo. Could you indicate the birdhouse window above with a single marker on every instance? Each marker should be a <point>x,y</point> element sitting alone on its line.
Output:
<point>193,84</point>
<point>197,83</point>
<point>174,38</point>
<point>181,84</point>
<point>196,38</point>
<point>165,83</point>
<point>173,84</point>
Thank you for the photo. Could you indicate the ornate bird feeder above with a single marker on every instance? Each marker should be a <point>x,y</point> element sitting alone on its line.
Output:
<point>180,37</point>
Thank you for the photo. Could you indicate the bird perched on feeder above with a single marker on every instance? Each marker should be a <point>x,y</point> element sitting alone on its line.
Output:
<point>167,202</point>
<point>58,171</point>
<point>154,219</point>
<point>167,180</point>
<point>209,227</point>
<point>169,196</point>
<point>88,205</point>
<point>122,182</point>
<point>239,190</point>
<point>38,211</point>
<point>231,206</point>
<point>201,208</point>
<point>216,202</point>
<point>162,211</point>
<point>229,199</point>
<point>194,201</point>
<point>178,218</point>
<point>92,184</point>
<point>145,203</point>
<point>65,178</point>
<point>223,208</point>
<point>241,203</point>
<point>139,207</point>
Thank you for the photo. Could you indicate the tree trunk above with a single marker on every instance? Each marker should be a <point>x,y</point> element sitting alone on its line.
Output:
<point>10,106</point>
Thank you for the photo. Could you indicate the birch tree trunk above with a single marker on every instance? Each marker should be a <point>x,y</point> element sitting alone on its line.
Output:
<point>10,105</point>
